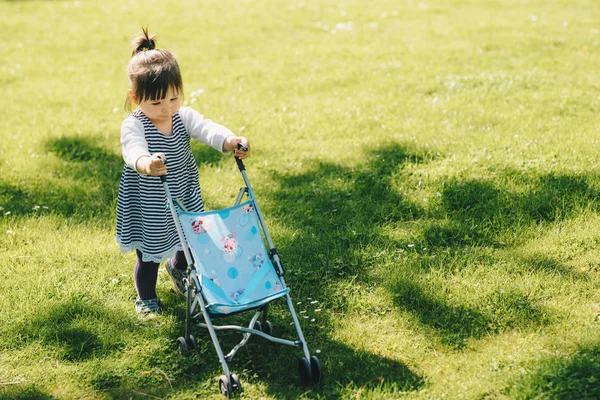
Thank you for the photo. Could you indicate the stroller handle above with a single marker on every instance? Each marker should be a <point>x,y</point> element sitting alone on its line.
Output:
<point>239,162</point>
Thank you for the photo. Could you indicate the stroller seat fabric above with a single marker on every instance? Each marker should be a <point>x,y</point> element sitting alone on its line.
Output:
<point>231,260</point>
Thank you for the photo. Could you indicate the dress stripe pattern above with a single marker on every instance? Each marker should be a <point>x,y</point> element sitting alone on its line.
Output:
<point>143,220</point>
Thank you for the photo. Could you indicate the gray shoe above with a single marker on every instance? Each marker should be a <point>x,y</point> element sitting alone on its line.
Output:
<point>177,276</point>
<point>148,308</point>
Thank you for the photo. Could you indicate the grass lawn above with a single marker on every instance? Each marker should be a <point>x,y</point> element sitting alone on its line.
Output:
<point>428,170</point>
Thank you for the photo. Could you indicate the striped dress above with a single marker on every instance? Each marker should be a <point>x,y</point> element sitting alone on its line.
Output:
<point>143,221</point>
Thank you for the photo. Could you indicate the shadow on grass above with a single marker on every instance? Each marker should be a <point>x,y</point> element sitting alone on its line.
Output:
<point>71,330</point>
<point>344,369</point>
<point>540,263</point>
<point>481,212</point>
<point>23,392</point>
<point>85,187</point>
<point>270,365</point>
<point>86,184</point>
<point>456,324</point>
<point>573,377</point>
<point>339,218</point>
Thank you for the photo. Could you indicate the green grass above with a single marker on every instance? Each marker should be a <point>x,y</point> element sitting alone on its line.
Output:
<point>428,171</point>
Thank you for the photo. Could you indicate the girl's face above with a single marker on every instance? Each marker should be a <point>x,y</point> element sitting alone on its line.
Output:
<point>160,110</point>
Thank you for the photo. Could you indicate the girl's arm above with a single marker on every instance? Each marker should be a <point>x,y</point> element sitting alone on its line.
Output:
<point>133,141</point>
<point>135,149</point>
<point>211,133</point>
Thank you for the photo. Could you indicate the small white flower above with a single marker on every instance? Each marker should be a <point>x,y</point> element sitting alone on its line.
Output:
<point>9,232</point>
<point>115,281</point>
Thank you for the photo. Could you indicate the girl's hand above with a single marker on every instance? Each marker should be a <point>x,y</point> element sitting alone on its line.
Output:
<point>231,144</point>
<point>153,165</point>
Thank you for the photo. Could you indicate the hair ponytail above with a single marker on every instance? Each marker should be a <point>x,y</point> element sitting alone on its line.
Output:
<point>143,42</point>
<point>151,71</point>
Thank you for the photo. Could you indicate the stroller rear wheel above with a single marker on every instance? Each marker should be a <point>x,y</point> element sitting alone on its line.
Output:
<point>305,370</point>
<point>268,328</point>
<point>310,371</point>
<point>186,346</point>
<point>315,369</point>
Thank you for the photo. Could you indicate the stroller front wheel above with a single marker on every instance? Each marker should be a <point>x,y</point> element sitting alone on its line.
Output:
<point>229,386</point>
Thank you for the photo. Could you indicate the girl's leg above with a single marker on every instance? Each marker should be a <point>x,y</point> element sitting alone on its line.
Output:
<point>179,261</point>
<point>145,275</point>
<point>177,268</point>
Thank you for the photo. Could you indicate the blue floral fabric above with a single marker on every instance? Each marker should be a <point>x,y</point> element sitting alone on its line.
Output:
<point>231,259</point>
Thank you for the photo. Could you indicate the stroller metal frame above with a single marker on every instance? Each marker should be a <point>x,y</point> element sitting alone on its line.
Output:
<point>229,384</point>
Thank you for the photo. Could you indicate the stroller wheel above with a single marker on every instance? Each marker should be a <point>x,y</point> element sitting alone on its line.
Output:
<point>258,326</point>
<point>268,328</point>
<point>182,345</point>
<point>192,345</point>
<point>225,386</point>
<point>305,370</point>
<point>236,384</point>
<point>315,369</point>
<point>229,386</point>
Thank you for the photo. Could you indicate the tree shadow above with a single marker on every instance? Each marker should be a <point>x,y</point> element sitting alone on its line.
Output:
<point>69,330</point>
<point>86,183</point>
<point>481,212</point>
<point>455,325</point>
<point>344,368</point>
<point>573,377</point>
<point>85,187</point>
<point>273,366</point>
<point>338,216</point>
<point>541,263</point>
<point>24,392</point>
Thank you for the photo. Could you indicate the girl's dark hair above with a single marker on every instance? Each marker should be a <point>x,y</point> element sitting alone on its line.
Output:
<point>151,71</point>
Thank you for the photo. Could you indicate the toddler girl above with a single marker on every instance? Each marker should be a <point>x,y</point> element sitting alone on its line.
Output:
<point>156,134</point>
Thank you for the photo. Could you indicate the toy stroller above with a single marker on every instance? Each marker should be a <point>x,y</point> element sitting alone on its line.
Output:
<point>230,271</point>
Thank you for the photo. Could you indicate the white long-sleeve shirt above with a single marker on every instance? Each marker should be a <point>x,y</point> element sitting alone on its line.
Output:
<point>134,143</point>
